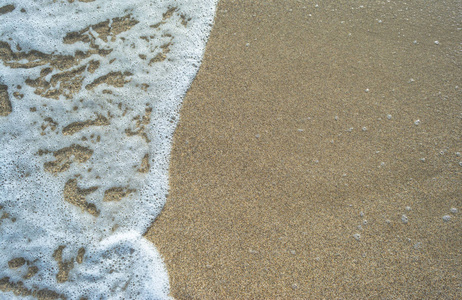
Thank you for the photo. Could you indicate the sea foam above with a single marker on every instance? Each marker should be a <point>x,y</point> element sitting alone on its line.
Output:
<point>89,99</point>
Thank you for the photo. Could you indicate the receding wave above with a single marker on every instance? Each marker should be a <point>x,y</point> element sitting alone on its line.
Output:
<point>89,97</point>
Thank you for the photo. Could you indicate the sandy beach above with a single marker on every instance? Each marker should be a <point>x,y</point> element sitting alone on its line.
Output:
<point>318,155</point>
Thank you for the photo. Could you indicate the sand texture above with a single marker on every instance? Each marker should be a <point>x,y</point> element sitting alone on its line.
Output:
<point>317,153</point>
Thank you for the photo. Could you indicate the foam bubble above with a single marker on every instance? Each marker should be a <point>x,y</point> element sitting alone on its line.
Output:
<point>89,98</point>
<point>404,219</point>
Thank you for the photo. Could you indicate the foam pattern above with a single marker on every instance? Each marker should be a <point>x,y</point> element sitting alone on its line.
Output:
<point>90,93</point>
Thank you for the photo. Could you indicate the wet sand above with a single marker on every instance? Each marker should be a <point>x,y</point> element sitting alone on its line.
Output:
<point>317,153</point>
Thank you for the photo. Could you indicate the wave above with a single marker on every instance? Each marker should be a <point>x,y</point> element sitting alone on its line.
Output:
<point>90,93</point>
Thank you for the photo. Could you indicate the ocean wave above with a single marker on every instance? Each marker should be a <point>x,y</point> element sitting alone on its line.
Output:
<point>90,93</point>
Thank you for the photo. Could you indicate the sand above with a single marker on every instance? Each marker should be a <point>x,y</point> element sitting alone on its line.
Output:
<point>317,153</point>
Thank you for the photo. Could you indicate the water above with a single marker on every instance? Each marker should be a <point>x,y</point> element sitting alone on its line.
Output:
<point>90,94</point>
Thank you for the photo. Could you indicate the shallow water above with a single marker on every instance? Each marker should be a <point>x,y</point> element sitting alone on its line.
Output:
<point>90,93</point>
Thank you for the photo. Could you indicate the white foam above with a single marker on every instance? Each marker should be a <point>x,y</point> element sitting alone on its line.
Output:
<point>118,262</point>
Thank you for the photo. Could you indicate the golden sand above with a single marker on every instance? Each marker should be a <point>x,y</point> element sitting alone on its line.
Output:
<point>317,153</point>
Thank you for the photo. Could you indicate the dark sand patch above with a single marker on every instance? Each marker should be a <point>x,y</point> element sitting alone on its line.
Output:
<point>5,103</point>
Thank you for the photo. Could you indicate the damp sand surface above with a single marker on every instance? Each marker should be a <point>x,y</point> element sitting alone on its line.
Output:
<point>318,155</point>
